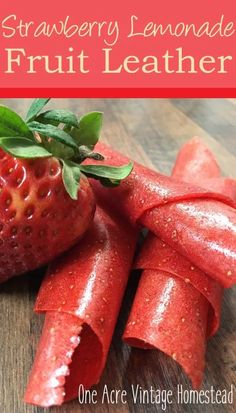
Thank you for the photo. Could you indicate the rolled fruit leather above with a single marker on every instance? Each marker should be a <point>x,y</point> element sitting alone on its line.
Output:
<point>204,221</point>
<point>177,306</point>
<point>195,159</point>
<point>81,296</point>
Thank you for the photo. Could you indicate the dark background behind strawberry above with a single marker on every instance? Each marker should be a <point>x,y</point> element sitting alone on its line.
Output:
<point>150,131</point>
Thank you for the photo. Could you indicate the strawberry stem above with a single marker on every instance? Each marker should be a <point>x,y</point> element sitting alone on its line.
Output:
<point>59,133</point>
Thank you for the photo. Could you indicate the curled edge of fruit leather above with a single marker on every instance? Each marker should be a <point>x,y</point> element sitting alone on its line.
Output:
<point>198,162</point>
<point>157,255</point>
<point>202,219</point>
<point>81,296</point>
<point>182,304</point>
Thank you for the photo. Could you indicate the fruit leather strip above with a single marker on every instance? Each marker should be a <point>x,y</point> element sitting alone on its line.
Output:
<point>81,296</point>
<point>195,160</point>
<point>182,303</point>
<point>205,236</point>
<point>223,185</point>
<point>195,163</point>
<point>199,224</point>
<point>170,315</point>
<point>145,189</point>
<point>203,165</point>
<point>159,256</point>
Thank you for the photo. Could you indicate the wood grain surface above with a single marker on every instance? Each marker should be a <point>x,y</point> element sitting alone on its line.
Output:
<point>150,131</point>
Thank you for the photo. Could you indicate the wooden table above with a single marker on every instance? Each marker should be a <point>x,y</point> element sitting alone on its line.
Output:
<point>151,131</point>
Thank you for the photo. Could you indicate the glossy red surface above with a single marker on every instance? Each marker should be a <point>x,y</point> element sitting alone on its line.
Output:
<point>170,315</point>
<point>157,255</point>
<point>83,289</point>
<point>38,219</point>
<point>181,303</point>
<point>198,223</point>
<point>195,160</point>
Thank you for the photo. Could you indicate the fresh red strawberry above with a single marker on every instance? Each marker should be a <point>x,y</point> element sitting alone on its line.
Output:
<point>46,202</point>
<point>38,218</point>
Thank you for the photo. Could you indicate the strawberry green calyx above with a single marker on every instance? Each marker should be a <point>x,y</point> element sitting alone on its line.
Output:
<point>59,133</point>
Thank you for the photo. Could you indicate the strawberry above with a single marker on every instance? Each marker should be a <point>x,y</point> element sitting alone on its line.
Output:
<point>46,202</point>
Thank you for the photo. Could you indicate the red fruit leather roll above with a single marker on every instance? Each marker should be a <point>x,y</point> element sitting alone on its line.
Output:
<point>196,162</point>
<point>198,223</point>
<point>180,302</point>
<point>81,296</point>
